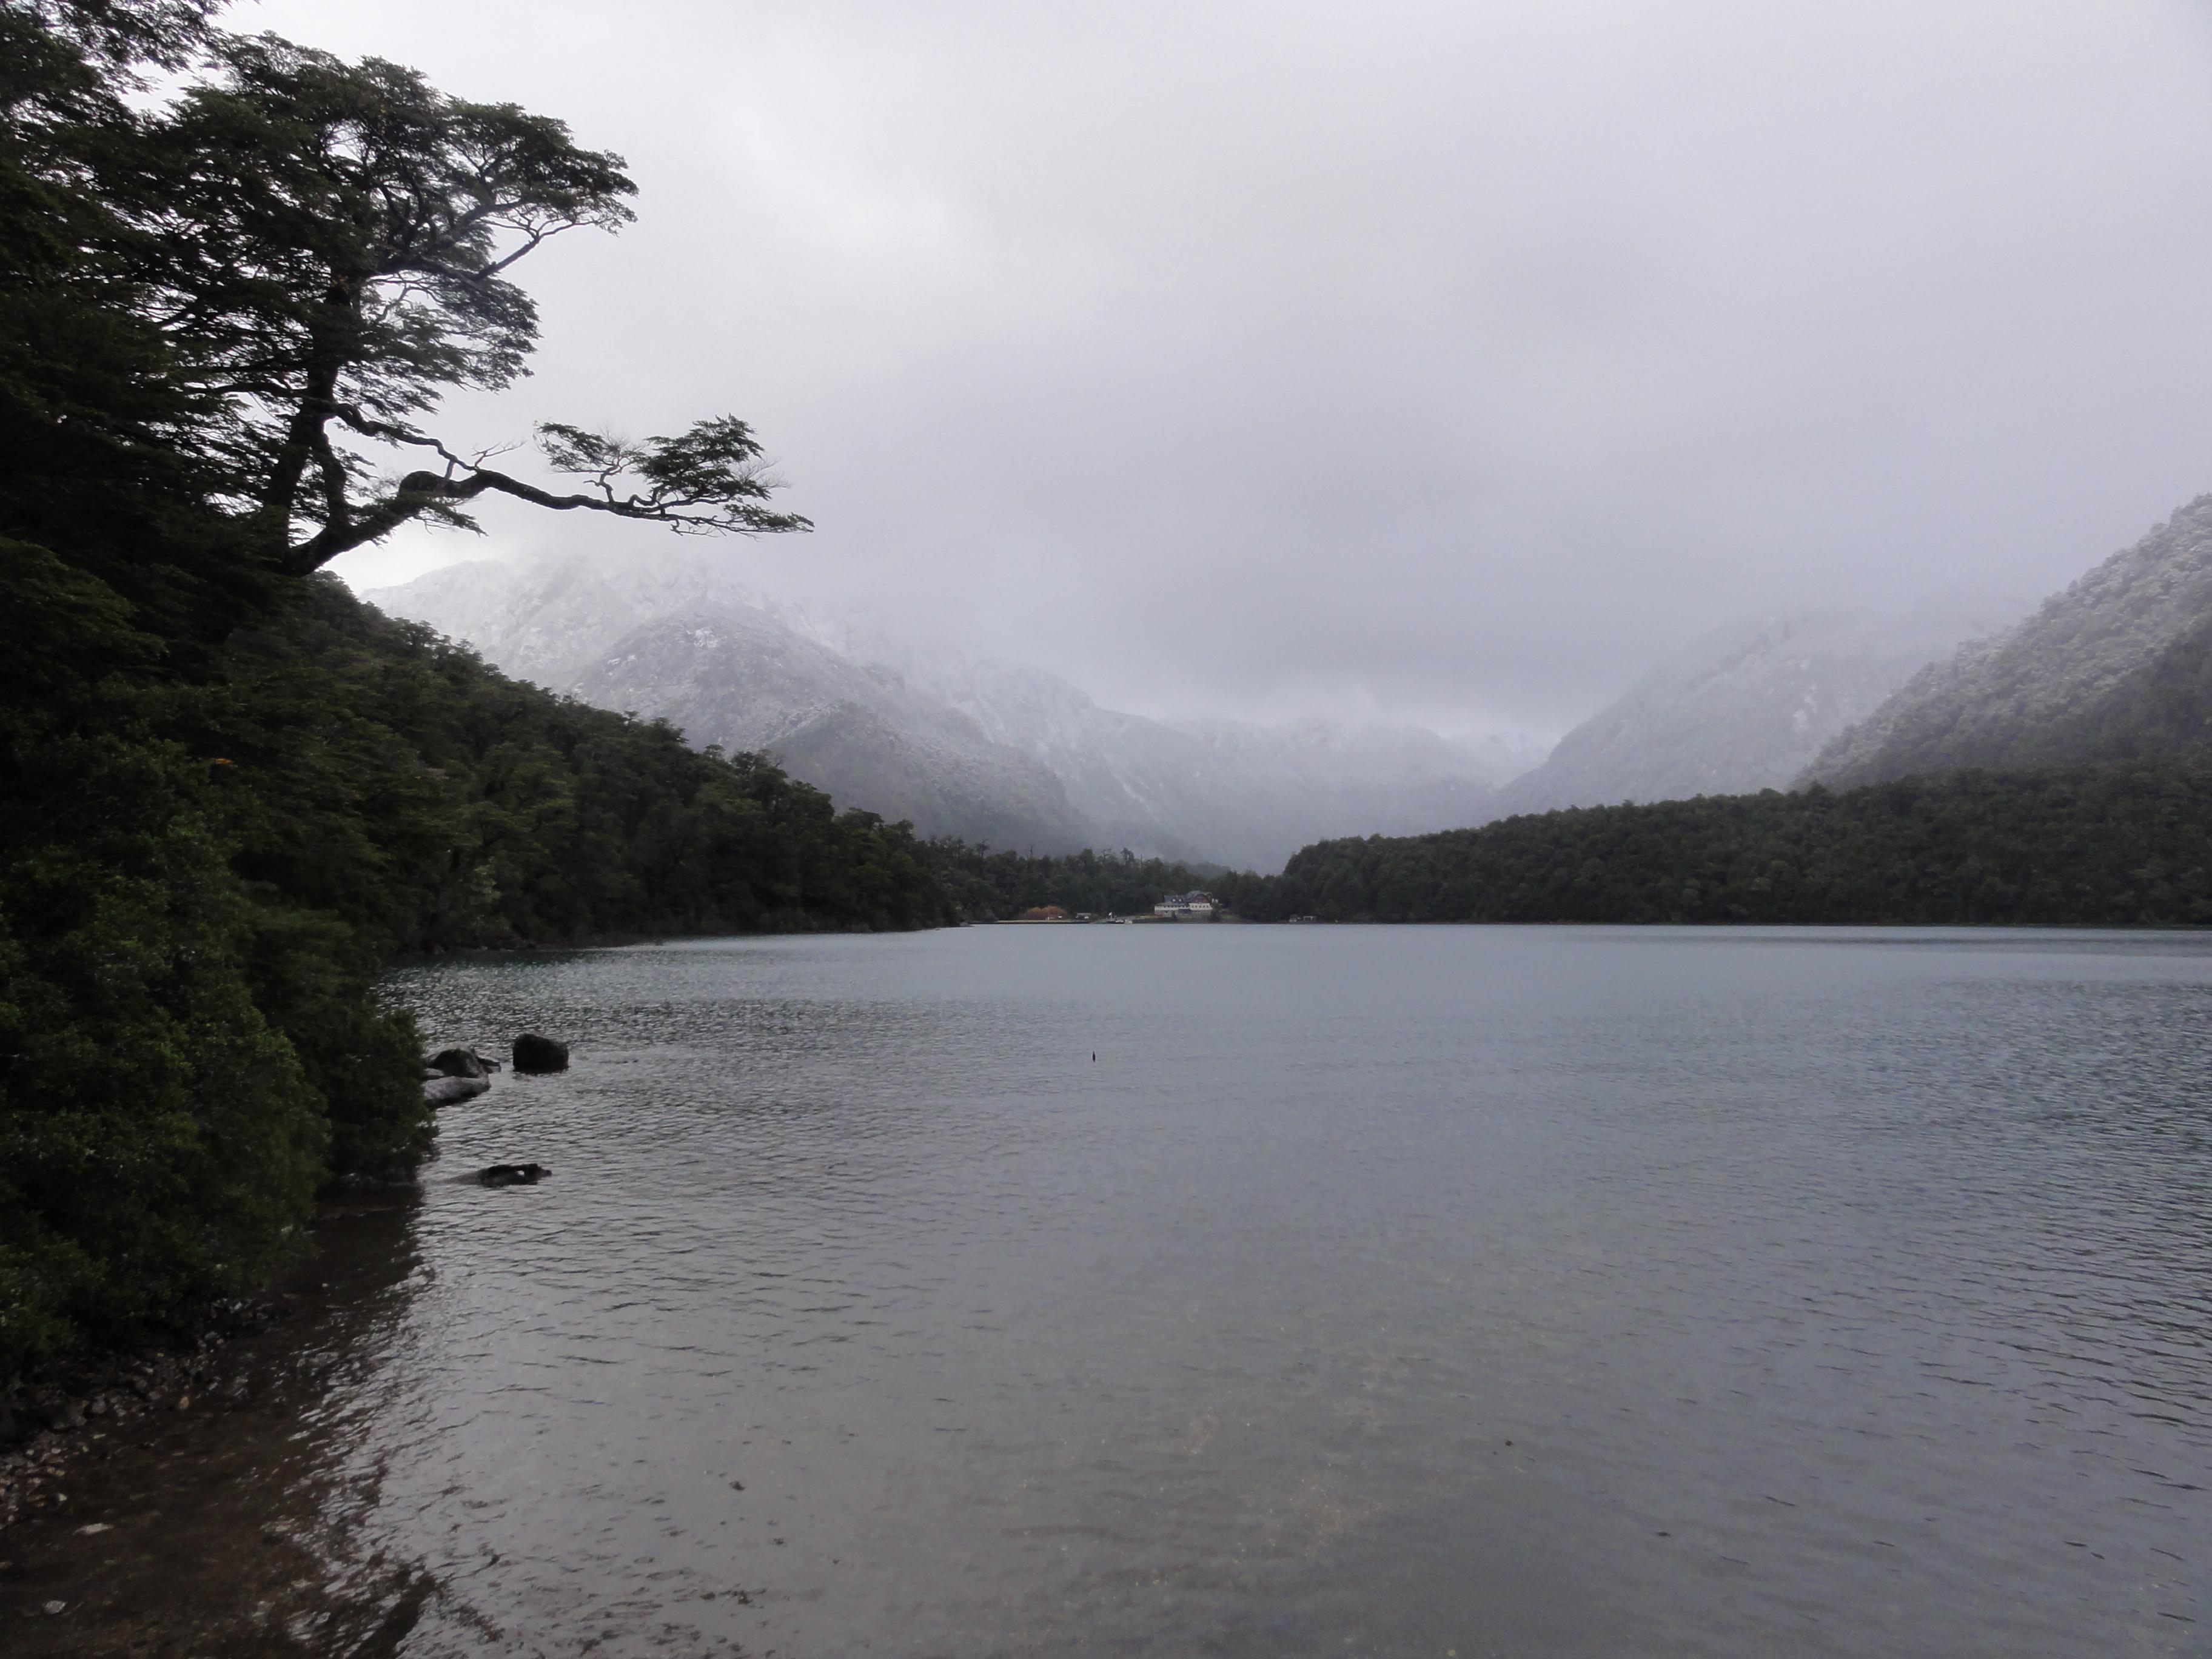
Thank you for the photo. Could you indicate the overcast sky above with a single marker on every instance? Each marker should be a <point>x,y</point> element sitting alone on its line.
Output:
<point>1458,361</point>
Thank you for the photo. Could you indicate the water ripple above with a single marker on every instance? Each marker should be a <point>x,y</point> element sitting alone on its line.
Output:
<point>1375,1291</point>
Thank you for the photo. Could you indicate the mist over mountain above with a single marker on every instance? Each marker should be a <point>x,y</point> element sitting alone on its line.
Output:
<point>1235,791</point>
<point>676,639</point>
<point>1747,707</point>
<point>960,743</point>
<point>2115,667</point>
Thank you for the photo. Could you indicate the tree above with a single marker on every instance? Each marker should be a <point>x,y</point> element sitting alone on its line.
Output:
<point>225,793</point>
<point>328,245</point>
<point>94,425</point>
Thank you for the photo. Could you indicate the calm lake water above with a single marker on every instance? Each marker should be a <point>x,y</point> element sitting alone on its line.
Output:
<point>1393,1291</point>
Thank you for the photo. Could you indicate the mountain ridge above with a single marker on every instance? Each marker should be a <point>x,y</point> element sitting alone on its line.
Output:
<point>959,743</point>
<point>2111,668</point>
<point>1748,706</point>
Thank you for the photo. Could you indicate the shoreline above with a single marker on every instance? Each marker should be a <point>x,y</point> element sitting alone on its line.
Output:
<point>198,1523</point>
<point>96,1402</point>
<point>53,1424</point>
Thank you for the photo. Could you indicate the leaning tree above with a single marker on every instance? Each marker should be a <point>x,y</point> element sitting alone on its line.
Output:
<point>236,279</point>
<point>328,247</point>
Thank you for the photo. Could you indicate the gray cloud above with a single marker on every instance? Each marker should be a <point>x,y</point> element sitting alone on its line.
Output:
<point>1459,359</point>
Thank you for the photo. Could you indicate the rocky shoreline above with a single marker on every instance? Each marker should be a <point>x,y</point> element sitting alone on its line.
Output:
<point>171,1504</point>
<point>51,1426</point>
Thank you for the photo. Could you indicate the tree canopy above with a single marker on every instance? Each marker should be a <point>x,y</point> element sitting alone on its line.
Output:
<point>307,254</point>
<point>2124,845</point>
<point>236,277</point>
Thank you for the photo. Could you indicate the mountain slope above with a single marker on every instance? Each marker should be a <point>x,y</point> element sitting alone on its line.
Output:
<point>734,677</point>
<point>1232,790</point>
<point>960,744</point>
<point>1747,708</point>
<point>676,639</point>
<point>2113,668</point>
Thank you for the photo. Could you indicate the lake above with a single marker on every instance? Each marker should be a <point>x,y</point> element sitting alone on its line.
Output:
<point>1240,1291</point>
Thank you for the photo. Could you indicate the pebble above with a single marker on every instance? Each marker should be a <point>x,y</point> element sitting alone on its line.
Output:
<point>95,1529</point>
<point>167,1381</point>
<point>56,1606</point>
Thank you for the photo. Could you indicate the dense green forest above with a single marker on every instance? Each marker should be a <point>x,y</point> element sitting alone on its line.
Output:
<point>230,791</point>
<point>997,886</point>
<point>2115,845</point>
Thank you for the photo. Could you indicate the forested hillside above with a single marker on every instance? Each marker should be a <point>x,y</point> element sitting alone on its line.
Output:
<point>2113,668</point>
<point>684,637</point>
<point>2110,846</point>
<point>997,886</point>
<point>230,791</point>
<point>1748,707</point>
<point>391,777</point>
<point>967,746</point>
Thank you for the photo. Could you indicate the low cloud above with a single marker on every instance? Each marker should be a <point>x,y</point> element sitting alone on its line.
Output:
<point>1458,361</point>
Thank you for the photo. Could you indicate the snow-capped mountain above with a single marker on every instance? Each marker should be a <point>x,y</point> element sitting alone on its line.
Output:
<point>959,743</point>
<point>2116,667</point>
<point>1748,707</point>
<point>676,639</point>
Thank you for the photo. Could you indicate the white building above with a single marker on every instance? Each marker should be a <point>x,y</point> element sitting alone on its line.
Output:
<point>1176,906</point>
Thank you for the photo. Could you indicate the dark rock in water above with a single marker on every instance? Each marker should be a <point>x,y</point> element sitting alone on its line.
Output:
<point>512,1175</point>
<point>444,1091</point>
<point>456,1062</point>
<point>533,1052</point>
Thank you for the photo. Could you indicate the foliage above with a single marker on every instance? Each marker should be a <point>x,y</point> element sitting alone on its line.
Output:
<point>205,877</point>
<point>159,1137</point>
<point>315,250</point>
<point>998,886</point>
<point>389,778</point>
<point>232,792</point>
<point>711,480</point>
<point>2118,845</point>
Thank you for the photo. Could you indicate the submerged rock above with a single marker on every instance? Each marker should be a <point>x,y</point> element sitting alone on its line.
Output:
<point>456,1062</point>
<point>444,1091</point>
<point>533,1052</point>
<point>512,1175</point>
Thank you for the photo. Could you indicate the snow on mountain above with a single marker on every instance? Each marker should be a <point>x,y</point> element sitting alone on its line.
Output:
<point>2113,668</point>
<point>1748,707</point>
<point>1234,791</point>
<point>675,639</point>
<point>960,744</point>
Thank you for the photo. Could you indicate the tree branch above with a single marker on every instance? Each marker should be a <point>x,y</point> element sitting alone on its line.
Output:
<point>710,481</point>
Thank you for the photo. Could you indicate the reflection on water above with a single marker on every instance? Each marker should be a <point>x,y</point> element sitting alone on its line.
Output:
<point>243,1524</point>
<point>1392,1291</point>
